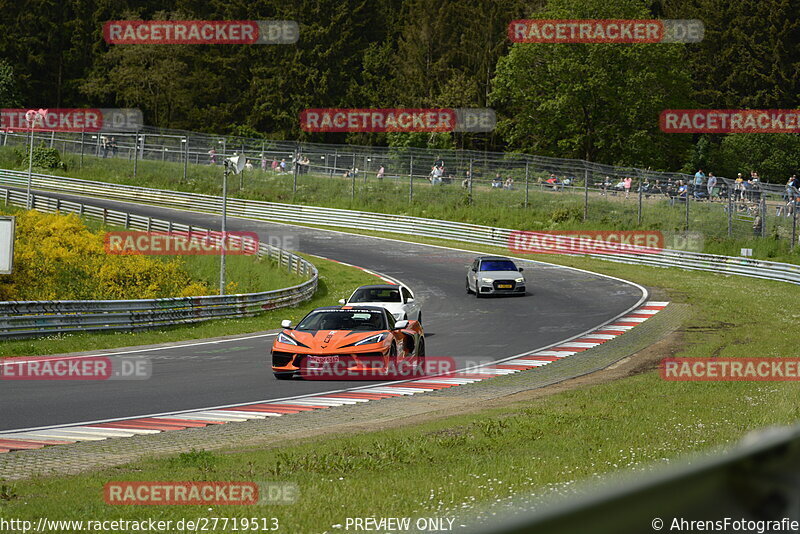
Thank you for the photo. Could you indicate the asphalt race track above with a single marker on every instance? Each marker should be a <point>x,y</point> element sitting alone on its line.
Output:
<point>561,303</point>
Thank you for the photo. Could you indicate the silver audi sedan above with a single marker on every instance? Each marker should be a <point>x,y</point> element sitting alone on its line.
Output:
<point>495,275</point>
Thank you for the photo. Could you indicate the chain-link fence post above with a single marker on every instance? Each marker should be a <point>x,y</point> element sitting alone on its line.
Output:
<point>762,208</point>
<point>185,157</point>
<point>135,152</point>
<point>585,190</point>
<point>639,208</point>
<point>526,184</point>
<point>294,171</point>
<point>794,223</point>
<point>688,199</point>
<point>411,179</point>
<point>83,135</point>
<point>469,182</point>
<point>730,212</point>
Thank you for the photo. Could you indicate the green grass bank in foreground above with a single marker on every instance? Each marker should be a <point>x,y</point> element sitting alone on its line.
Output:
<point>336,281</point>
<point>468,463</point>
<point>546,210</point>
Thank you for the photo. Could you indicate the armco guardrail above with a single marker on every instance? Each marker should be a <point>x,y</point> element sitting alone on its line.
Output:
<point>28,319</point>
<point>401,224</point>
<point>752,487</point>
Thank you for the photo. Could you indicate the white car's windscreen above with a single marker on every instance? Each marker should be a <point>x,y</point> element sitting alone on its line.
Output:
<point>376,294</point>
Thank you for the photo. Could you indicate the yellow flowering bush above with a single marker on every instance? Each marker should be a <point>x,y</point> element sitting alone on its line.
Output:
<point>56,257</point>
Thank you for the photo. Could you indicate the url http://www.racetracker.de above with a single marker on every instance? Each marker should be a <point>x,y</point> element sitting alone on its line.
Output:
<point>160,526</point>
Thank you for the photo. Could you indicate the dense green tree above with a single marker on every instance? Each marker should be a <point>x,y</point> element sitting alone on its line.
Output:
<point>600,102</point>
<point>9,95</point>
<point>773,156</point>
<point>595,101</point>
<point>749,55</point>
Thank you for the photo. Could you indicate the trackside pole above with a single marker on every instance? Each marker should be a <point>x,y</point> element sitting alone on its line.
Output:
<point>224,220</point>
<point>411,179</point>
<point>639,210</point>
<point>730,213</point>
<point>469,182</point>
<point>585,191</point>
<point>186,157</point>
<point>526,184</point>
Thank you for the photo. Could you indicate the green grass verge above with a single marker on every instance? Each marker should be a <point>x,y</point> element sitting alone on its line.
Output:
<point>458,465</point>
<point>546,210</point>
<point>336,281</point>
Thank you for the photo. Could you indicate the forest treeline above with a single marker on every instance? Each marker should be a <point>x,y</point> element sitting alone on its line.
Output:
<point>599,102</point>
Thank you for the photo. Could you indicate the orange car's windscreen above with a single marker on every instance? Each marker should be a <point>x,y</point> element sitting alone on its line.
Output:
<point>344,320</point>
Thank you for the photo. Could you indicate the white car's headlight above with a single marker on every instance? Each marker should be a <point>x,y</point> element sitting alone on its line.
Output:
<point>283,338</point>
<point>487,280</point>
<point>377,338</point>
<point>520,280</point>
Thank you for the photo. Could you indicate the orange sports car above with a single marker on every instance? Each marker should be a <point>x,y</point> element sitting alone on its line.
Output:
<point>349,342</point>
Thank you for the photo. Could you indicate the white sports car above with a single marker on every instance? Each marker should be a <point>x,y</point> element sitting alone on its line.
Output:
<point>398,299</point>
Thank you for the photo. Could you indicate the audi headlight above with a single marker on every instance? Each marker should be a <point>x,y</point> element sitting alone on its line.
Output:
<point>486,280</point>
<point>377,338</point>
<point>283,338</point>
<point>520,280</point>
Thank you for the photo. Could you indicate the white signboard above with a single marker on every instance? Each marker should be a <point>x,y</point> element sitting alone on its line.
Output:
<point>6,244</point>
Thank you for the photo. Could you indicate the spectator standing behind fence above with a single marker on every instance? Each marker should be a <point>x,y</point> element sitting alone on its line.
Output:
<point>467,181</point>
<point>282,166</point>
<point>381,172</point>
<point>104,145</point>
<point>604,185</point>
<point>699,178</point>
<point>738,188</point>
<point>212,156</point>
<point>792,194</point>
<point>627,183</point>
<point>792,188</point>
<point>113,146</point>
<point>274,164</point>
<point>710,185</point>
<point>436,175</point>
<point>263,163</point>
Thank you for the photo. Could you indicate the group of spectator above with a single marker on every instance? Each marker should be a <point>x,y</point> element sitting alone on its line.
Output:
<point>746,189</point>
<point>108,145</point>
<point>498,183</point>
<point>702,181</point>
